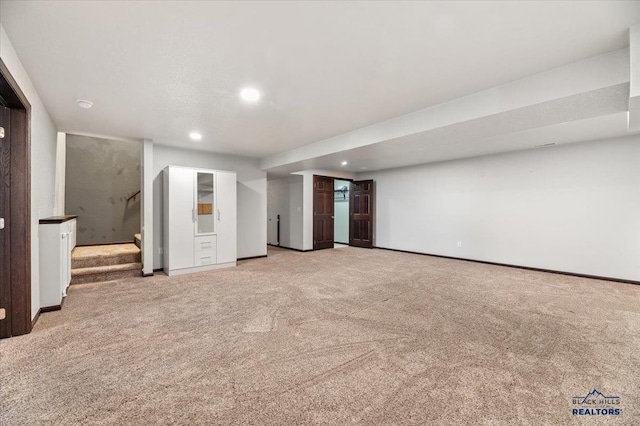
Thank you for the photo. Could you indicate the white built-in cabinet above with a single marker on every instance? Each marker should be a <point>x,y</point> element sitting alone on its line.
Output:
<point>199,219</point>
<point>57,239</point>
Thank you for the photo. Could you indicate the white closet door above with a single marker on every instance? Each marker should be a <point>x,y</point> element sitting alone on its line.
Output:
<point>181,218</point>
<point>226,217</point>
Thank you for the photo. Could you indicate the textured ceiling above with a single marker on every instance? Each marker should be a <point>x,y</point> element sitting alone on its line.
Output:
<point>162,69</point>
<point>586,116</point>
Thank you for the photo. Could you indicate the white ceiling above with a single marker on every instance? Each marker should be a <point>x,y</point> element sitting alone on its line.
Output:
<point>159,70</point>
<point>422,149</point>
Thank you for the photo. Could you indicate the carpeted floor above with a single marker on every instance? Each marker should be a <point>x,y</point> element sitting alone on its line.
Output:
<point>330,337</point>
<point>81,253</point>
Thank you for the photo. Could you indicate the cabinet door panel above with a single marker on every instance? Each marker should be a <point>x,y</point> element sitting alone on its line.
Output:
<point>226,212</point>
<point>181,218</point>
<point>65,262</point>
<point>205,196</point>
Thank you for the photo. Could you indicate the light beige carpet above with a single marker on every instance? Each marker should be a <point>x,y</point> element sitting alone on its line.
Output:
<point>104,250</point>
<point>331,337</point>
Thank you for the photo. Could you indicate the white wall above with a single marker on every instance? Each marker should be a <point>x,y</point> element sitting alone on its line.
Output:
<point>277,198</point>
<point>61,165</point>
<point>146,213</point>
<point>285,199</point>
<point>572,208</point>
<point>633,118</point>
<point>252,195</point>
<point>341,215</point>
<point>43,160</point>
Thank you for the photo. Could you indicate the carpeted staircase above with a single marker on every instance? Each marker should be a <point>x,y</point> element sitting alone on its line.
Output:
<point>90,264</point>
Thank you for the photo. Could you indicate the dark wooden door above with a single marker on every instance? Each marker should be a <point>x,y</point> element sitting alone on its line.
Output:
<point>15,237</point>
<point>5,237</point>
<point>322,212</point>
<point>361,213</point>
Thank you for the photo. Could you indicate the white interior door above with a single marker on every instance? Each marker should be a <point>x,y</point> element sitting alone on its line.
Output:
<point>182,215</point>
<point>226,213</point>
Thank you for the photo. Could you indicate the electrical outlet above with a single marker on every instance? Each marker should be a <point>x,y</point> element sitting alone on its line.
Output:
<point>160,250</point>
<point>459,243</point>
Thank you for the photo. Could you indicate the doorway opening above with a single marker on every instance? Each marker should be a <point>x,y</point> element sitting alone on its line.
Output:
<point>102,188</point>
<point>341,213</point>
<point>15,208</point>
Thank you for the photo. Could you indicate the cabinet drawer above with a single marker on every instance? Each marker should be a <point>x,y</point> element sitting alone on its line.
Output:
<point>205,243</point>
<point>203,259</point>
<point>205,250</point>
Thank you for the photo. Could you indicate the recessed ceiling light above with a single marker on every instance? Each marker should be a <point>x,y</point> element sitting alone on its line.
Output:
<point>344,163</point>
<point>195,136</point>
<point>84,104</point>
<point>250,94</point>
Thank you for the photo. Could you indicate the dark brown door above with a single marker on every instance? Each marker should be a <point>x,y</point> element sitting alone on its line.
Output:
<point>361,213</point>
<point>322,212</point>
<point>15,208</point>
<point>5,240</point>
<point>15,253</point>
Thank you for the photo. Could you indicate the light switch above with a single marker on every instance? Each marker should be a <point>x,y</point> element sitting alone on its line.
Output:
<point>1,222</point>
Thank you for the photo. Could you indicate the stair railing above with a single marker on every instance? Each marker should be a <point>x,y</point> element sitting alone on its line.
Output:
<point>133,196</point>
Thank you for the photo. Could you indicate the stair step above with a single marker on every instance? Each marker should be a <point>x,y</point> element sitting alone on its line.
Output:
<point>107,255</point>
<point>138,240</point>
<point>105,273</point>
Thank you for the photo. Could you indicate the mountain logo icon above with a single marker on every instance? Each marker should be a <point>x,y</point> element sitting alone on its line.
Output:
<point>593,396</point>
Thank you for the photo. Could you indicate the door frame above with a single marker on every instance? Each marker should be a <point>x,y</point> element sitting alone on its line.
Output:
<point>16,297</point>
